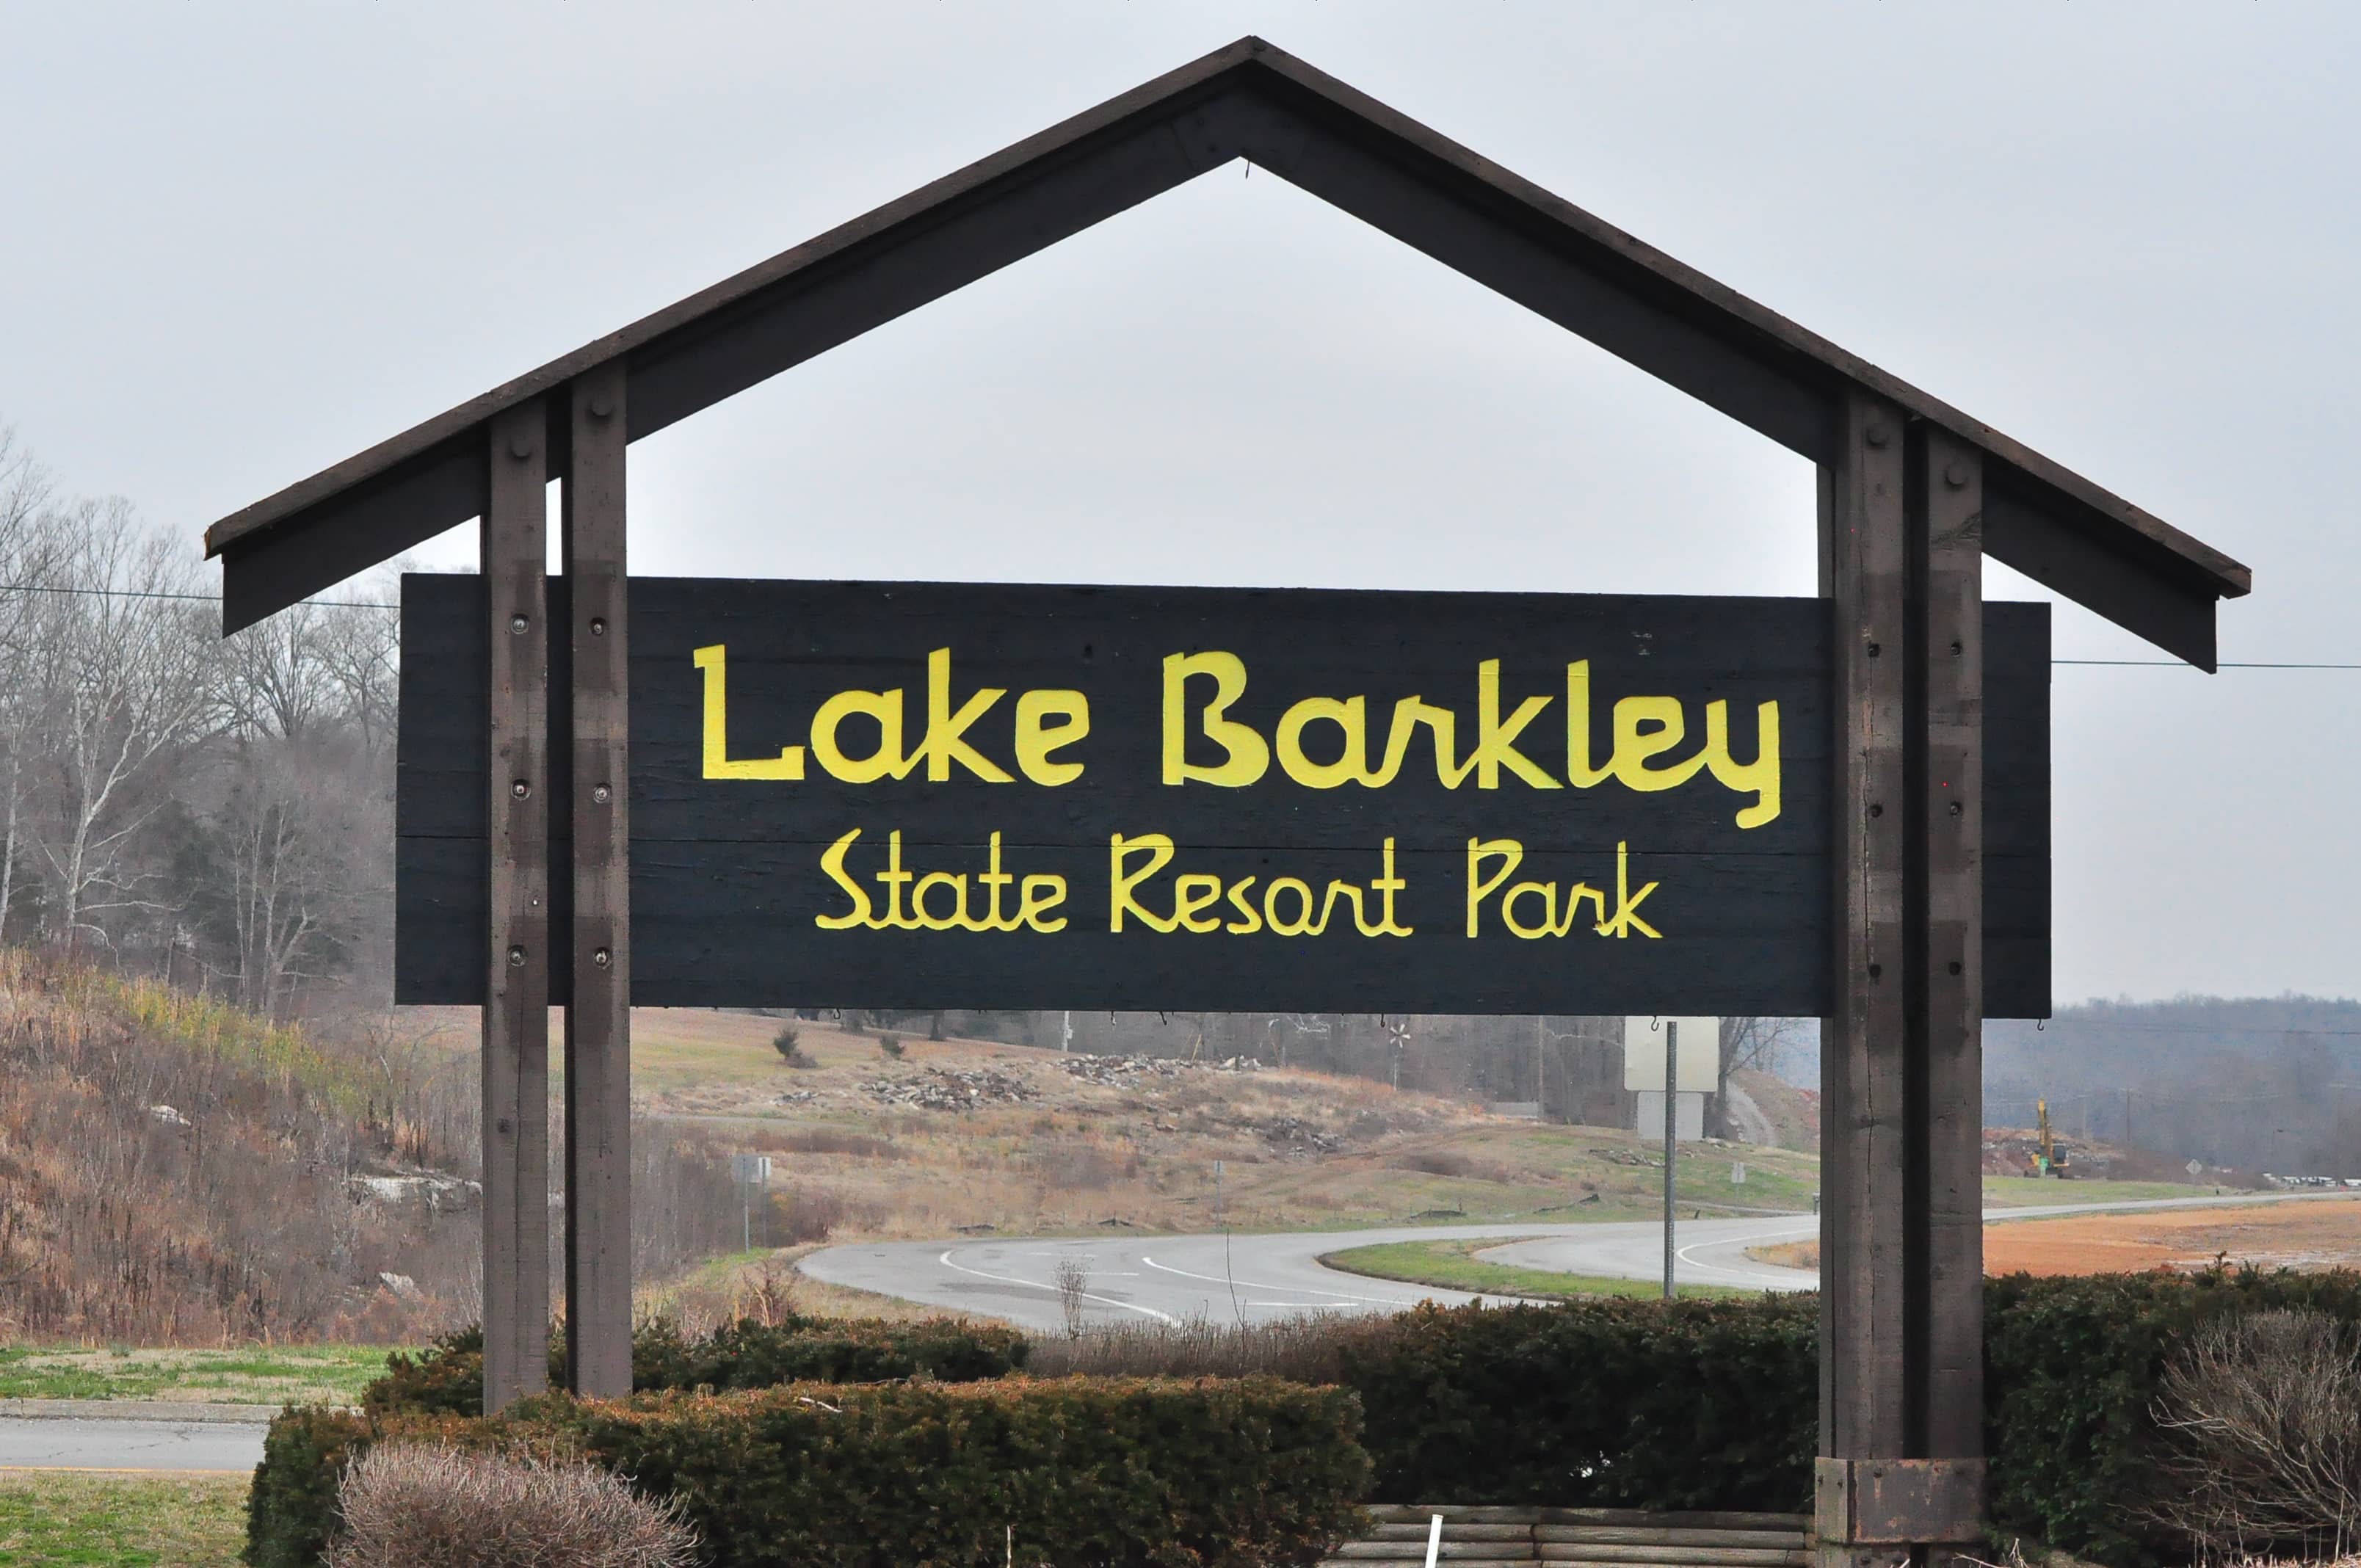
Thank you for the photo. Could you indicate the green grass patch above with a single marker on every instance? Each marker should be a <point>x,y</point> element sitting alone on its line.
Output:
<point>54,1517</point>
<point>1452,1264</point>
<point>243,1375</point>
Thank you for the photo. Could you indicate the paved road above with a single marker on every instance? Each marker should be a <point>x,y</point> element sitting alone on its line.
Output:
<point>1248,1278</point>
<point>81,1444</point>
<point>1245,1278</point>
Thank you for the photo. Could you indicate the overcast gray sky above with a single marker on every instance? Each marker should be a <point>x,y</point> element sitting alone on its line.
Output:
<point>242,243</point>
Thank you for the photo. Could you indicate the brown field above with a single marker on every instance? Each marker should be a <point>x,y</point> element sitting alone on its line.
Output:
<point>2325,1233</point>
<point>1299,1150</point>
<point>2312,1234</point>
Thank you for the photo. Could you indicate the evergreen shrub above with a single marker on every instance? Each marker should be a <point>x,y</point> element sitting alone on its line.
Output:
<point>1120,1473</point>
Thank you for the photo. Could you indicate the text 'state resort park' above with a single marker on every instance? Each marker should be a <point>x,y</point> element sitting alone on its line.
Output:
<point>912,794</point>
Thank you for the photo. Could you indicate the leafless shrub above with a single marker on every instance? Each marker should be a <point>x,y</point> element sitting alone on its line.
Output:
<point>1073,1279</point>
<point>890,1045</point>
<point>769,1299</point>
<point>2262,1411</point>
<point>406,1504</point>
<point>1307,1349</point>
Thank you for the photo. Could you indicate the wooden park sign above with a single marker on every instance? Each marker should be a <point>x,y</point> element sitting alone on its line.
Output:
<point>927,794</point>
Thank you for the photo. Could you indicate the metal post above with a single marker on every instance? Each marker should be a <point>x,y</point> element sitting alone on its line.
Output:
<point>598,1011</point>
<point>516,1000</point>
<point>1672,1077</point>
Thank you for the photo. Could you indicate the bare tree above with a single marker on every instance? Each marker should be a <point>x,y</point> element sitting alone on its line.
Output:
<point>124,683</point>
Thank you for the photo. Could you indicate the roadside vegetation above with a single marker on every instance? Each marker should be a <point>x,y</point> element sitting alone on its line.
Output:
<point>92,1519</point>
<point>246,1375</point>
<point>1452,1264</point>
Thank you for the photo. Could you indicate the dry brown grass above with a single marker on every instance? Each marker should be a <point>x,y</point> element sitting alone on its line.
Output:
<point>407,1504</point>
<point>1308,1349</point>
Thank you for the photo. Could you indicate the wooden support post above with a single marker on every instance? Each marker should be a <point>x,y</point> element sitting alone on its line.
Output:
<point>1900,1305</point>
<point>516,1003</point>
<point>599,1008</point>
<point>1947,788</point>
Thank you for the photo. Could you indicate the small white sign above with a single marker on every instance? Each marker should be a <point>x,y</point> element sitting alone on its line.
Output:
<point>1643,1054</point>
<point>1738,1175</point>
<point>2195,1167</point>
<point>751,1168</point>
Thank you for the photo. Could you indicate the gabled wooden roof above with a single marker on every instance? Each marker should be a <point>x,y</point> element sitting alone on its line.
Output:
<point>1251,101</point>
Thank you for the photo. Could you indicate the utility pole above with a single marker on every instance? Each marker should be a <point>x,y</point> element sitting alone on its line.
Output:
<point>1671,1056</point>
<point>1540,1089</point>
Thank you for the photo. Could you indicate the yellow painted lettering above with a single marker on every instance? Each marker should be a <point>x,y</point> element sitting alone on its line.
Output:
<point>1157,847</point>
<point>1249,918</point>
<point>1351,716</point>
<point>1544,891</point>
<point>1626,918</point>
<point>833,863</point>
<point>959,918</point>
<point>1247,755</point>
<point>885,707</point>
<point>1496,741</point>
<point>1634,745</point>
<point>1041,892</point>
<point>1301,925</point>
<point>789,764</point>
<point>1578,771</point>
<point>893,877</point>
<point>1036,740</point>
<point>1409,714</point>
<point>1760,776</point>
<point>1479,887</point>
<point>944,743</point>
<point>1387,885</point>
<point>993,881</point>
<point>1192,894</point>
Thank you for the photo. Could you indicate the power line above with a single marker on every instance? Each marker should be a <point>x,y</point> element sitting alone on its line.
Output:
<point>188,598</point>
<point>378,604</point>
<point>2225,665</point>
<point>2055,1024</point>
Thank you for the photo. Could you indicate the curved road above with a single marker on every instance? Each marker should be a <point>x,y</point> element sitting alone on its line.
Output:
<point>1161,1279</point>
<point>1251,1278</point>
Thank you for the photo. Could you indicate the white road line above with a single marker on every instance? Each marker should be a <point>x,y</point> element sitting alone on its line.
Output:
<point>1030,1285</point>
<point>1266,1284</point>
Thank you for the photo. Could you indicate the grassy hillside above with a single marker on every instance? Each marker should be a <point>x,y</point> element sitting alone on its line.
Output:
<point>866,1143</point>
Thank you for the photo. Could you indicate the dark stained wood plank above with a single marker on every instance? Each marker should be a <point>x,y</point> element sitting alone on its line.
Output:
<point>724,885</point>
<point>598,1010</point>
<point>1863,1119</point>
<point>516,1007</point>
<point>1947,789</point>
<point>1253,100</point>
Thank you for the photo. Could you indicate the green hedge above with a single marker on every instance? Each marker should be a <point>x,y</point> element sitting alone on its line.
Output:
<point>1640,1404</point>
<point>2072,1368</point>
<point>1115,1472</point>
<point>1612,1402</point>
<point>448,1376</point>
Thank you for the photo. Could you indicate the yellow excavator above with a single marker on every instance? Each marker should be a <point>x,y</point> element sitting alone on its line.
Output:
<point>2047,1161</point>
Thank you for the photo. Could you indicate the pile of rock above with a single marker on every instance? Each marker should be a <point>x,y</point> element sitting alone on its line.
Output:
<point>1297,1135</point>
<point>952,1088</point>
<point>1115,1072</point>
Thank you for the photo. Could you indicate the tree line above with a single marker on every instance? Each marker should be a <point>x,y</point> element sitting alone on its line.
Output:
<point>215,812</point>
